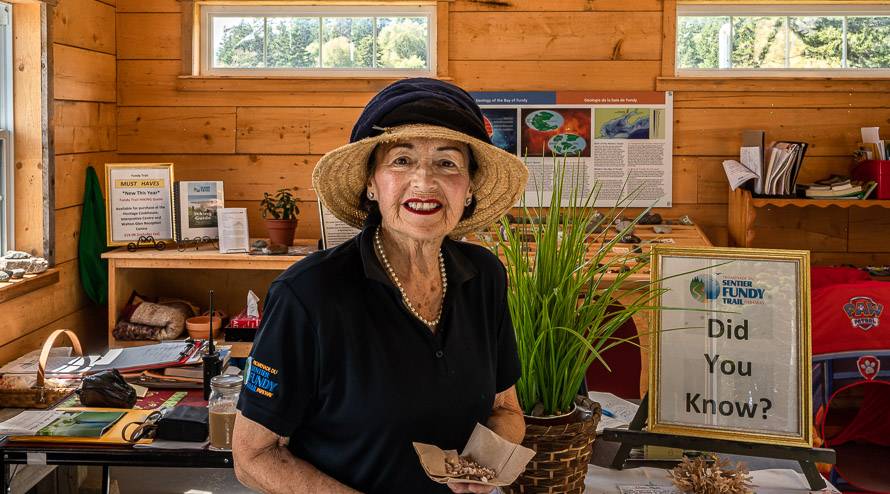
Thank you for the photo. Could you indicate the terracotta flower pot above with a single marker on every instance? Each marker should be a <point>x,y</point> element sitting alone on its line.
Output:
<point>281,231</point>
<point>563,445</point>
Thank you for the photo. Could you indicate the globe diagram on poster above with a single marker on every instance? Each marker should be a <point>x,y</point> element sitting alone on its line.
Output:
<point>566,144</point>
<point>544,120</point>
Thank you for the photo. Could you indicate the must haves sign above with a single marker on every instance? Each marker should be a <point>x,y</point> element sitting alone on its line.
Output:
<point>730,359</point>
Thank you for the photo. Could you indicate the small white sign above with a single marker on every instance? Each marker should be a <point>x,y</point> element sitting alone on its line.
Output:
<point>731,353</point>
<point>333,231</point>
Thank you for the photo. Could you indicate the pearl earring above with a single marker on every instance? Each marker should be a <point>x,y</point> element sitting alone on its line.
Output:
<point>370,195</point>
<point>468,201</point>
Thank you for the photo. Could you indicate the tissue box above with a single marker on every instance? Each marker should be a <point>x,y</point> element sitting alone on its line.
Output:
<point>242,327</point>
<point>877,170</point>
<point>242,320</point>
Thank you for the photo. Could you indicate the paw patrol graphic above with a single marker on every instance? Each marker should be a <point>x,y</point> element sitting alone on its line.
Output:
<point>864,312</point>
<point>868,367</point>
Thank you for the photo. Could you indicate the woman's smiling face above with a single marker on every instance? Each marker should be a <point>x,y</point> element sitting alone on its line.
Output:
<point>421,186</point>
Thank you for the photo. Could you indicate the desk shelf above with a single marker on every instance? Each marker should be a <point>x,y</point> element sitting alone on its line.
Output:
<point>189,275</point>
<point>743,208</point>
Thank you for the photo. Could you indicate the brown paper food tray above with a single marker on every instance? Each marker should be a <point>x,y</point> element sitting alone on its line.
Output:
<point>486,448</point>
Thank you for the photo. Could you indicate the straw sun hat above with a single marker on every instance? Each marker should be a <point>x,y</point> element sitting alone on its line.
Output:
<point>413,109</point>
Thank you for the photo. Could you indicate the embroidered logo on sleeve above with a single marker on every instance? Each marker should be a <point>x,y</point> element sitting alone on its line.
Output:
<point>260,378</point>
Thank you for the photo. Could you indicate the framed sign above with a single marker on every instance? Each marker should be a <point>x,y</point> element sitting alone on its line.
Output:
<point>333,231</point>
<point>139,201</point>
<point>730,358</point>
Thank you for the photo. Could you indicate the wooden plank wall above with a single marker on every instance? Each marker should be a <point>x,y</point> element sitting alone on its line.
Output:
<point>259,136</point>
<point>84,120</point>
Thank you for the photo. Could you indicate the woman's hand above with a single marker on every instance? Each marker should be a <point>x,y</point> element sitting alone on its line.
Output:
<point>468,487</point>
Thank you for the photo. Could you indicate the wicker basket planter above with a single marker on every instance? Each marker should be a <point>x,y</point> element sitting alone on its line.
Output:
<point>563,445</point>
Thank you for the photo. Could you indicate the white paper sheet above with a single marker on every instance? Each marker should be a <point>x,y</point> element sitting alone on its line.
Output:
<point>233,231</point>
<point>737,173</point>
<point>109,357</point>
<point>622,410</point>
<point>647,489</point>
<point>871,134</point>
<point>29,422</point>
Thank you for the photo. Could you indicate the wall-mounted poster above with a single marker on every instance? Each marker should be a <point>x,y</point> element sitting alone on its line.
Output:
<point>139,201</point>
<point>731,355</point>
<point>195,205</point>
<point>618,141</point>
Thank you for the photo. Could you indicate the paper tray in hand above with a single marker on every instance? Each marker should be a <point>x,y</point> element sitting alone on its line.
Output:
<point>507,459</point>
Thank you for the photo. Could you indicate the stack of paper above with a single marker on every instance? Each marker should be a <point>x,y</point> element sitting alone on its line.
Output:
<point>617,412</point>
<point>774,170</point>
<point>781,169</point>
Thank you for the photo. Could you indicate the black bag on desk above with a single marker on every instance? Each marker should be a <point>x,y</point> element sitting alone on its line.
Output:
<point>106,389</point>
<point>184,423</point>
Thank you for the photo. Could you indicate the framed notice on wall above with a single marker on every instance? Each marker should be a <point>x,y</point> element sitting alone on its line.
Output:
<point>139,201</point>
<point>731,355</point>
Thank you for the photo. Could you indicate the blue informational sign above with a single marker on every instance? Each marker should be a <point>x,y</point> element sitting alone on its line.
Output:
<point>513,98</point>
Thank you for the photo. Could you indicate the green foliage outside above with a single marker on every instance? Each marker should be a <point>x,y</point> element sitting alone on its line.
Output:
<point>760,42</point>
<point>347,42</point>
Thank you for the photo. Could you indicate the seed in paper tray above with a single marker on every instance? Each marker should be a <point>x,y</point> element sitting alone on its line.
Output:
<point>466,468</point>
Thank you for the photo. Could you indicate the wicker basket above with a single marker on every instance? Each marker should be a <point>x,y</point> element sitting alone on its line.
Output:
<point>563,446</point>
<point>15,394</point>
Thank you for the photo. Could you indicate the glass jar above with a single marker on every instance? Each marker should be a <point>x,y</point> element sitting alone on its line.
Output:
<point>224,391</point>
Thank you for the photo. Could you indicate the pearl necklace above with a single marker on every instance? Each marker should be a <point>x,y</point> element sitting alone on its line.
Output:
<point>395,279</point>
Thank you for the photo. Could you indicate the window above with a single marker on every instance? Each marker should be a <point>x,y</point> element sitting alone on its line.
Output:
<point>6,156</point>
<point>783,39</point>
<point>325,41</point>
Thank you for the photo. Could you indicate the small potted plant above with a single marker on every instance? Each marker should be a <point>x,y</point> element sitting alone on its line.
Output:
<point>280,211</point>
<point>565,313</point>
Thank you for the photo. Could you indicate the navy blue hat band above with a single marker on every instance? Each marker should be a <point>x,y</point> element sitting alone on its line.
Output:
<point>421,101</point>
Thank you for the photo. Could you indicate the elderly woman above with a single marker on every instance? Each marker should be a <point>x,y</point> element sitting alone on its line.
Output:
<point>401,334</point>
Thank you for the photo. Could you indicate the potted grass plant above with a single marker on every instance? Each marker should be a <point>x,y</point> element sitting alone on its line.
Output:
<point>280,212</point>
<point>568,295</point>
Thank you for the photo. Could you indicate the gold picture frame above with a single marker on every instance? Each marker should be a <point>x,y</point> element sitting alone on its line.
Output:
<point>689,275</point>
<point>142,191</point>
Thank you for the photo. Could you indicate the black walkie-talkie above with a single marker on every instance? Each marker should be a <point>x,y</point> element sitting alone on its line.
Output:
<point>212,362</point>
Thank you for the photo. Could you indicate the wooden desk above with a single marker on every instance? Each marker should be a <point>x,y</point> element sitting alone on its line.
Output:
<point>190,275</point>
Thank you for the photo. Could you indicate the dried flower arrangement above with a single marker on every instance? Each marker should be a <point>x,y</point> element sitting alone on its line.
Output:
<point>698,477</point>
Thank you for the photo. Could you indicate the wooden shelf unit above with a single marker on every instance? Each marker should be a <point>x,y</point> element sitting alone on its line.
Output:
<point>742,211</point>
<point>190,275</point>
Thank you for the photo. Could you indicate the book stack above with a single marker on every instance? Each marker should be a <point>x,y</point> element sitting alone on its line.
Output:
<point>838,187</point>
<point>780,170</point>
<point>196,372</point>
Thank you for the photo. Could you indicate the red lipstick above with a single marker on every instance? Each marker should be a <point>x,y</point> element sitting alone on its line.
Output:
<point>434,206</point>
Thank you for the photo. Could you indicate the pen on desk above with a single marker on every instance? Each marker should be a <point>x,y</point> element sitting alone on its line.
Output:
<point>607,413</point>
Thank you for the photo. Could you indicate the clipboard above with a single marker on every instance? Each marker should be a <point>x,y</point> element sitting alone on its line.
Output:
<point>156,356</point>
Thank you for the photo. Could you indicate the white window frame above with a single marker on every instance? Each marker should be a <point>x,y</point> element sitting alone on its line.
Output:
<point>793,10</point>
<point>205,48</point>
<point>7,156</point>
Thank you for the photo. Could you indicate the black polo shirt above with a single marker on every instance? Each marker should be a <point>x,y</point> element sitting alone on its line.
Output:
<point>352,377</point>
